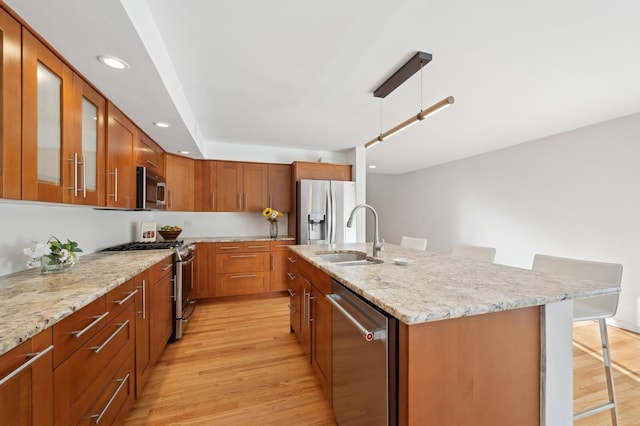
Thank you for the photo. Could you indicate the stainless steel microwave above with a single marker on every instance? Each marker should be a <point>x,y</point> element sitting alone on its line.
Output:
<point>151,190</point>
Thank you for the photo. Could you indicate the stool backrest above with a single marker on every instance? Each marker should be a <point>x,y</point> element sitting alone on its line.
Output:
<point>488,254</point>
<point>600,306</point>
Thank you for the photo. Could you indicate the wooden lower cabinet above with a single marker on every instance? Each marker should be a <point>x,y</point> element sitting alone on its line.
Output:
<point>205,271</point>
<point>83,384</point>
<point>143,330</point>
<point>293,287</point>
<point>161,307</point>
<point>279,281</point>
<point>26,398</point>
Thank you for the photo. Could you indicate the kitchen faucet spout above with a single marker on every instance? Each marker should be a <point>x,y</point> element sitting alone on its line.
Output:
<point>378,246</point>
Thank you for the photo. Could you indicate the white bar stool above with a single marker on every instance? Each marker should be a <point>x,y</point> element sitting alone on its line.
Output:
<point>592,308</point>
<point>488,254</point>
<point>414,243</point>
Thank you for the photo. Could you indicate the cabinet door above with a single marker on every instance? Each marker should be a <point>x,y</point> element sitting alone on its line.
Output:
<point>205,270</point>
<point>279,180</point>
<point>87,177</point>
<point>293,287</point>
<point>161,314</point>
<point>305,319</point>
<point>143,329</point>
<point>10,120</point>
<point>205,186</point>
<point>279,269</point>
<point>180,174</point>
<point>255,187</point>
<point>47,88</point>
<point>149,154</point>
<point>321,356</point>
<point>229,186</point>
<point>27,397</point>
<point>121,173</point>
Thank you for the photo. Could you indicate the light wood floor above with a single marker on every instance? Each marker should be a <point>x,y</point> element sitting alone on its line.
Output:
<point>239,365</point>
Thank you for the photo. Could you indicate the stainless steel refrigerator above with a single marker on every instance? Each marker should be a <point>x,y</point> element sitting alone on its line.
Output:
<point>323,208</point>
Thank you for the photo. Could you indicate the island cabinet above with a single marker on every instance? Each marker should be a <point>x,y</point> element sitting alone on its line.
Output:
<point>205,271</point>
<point>149,154</point>
<point>279,279</point>
<point>93,376</point>
<point>180,183</point>
<point>294,290</point>
<point>121,174</point>
<point>241,186</point>
<point>242,268</point>
<point>26,382</point>
<point>10,97</point>
<point>279,187</point>
<point>161,299</point>
<point>205,186</point>
<point>143,330</point>
<point>316,321</point>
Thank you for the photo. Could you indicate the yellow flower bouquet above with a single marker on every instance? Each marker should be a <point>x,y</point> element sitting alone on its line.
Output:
<point>271,214</point>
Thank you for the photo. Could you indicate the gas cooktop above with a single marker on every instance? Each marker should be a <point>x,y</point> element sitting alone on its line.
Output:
<point>155,245</point>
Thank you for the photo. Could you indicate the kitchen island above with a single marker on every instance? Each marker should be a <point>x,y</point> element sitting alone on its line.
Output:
<point>478,343</point>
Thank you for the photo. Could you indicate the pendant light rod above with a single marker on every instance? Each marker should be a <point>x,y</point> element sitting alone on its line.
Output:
<point>411,121</point>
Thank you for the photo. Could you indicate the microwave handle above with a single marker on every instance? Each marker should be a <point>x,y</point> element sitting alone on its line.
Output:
<point>162,201</point>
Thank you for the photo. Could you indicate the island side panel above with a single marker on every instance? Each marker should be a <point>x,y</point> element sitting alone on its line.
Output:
<point>480,370</point>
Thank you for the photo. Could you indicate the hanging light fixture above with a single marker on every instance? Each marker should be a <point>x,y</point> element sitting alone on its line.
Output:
<point>414,64</point>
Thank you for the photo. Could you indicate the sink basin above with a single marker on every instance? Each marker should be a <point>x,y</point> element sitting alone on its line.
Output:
<point>348,258</point>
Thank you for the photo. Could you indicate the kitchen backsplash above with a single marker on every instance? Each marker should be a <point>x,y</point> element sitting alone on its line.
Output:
<point>94,230</point>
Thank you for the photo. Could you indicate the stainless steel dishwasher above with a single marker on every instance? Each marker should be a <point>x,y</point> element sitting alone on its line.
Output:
<point>364,340</point>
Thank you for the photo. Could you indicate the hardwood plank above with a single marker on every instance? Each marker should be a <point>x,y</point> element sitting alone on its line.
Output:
<point>237,364</point>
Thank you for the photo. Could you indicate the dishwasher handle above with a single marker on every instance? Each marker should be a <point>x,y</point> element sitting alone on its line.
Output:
<point>369,335</point>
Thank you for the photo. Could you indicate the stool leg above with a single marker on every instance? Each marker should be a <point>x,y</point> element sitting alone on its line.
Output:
<point>606,356</point>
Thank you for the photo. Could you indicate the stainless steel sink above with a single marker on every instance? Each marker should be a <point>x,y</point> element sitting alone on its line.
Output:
<point>348,258</point>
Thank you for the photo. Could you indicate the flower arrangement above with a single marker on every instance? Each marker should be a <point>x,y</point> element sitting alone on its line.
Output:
<point>53,253</point>
<point>271,214</point>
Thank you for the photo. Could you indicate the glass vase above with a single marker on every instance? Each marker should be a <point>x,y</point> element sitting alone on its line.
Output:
<point>49,267</point>
<point>273,229</point>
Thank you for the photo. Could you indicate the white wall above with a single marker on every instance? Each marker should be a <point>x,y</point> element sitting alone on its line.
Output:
<point>575,194</point>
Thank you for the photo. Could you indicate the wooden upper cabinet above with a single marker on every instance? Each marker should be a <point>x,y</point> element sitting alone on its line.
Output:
<point>10,120</point>
<point>279,187</point>
<point>327,171</point>
<point>47,157</point>
<point>205,186</point>
<point>121,173</point>
<point>255,187</point>
<point>88,146</point>
<point>149,154</point>
<point>180,183</point>
<point>229,186</point>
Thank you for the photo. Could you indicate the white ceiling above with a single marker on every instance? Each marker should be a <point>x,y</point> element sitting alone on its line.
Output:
<point>300,74</point>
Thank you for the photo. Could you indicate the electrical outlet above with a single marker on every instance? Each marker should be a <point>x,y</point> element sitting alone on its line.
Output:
<point>188,223</point>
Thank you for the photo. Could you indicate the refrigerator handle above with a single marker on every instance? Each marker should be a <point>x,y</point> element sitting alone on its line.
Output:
<point>329,217</point>
<point>334,212</point>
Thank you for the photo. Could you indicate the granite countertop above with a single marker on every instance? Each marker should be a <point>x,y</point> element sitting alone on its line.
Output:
<point>31,302</point>
<point>434,287</point>
<point>236,239</point>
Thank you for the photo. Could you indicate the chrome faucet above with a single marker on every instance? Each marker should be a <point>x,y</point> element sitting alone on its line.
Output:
<point>377,245</point>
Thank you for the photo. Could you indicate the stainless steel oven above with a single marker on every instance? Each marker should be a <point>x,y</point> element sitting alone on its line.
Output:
<point>151,190</point>
<point>183,291</point>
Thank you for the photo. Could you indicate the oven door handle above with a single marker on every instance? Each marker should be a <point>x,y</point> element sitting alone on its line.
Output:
<point>192,304</point>
<point>188,261</point>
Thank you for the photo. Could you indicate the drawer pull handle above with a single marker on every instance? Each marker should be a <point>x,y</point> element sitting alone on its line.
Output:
<point>129,296</point>
<point>291,276</point>
<point>291,292</point>
<point>243,276</point>
<point>97,349</point>
<point>291,259</point>
<point>99,416</point>
<point>229,248</point>
<point>240,256</point>
<point>96,320</point>
<point>281,245</point>
<point>151,163</point>
<point>167,266</point>
<point>26,365</point>
<point>254,247</point>
<point>144,301</point>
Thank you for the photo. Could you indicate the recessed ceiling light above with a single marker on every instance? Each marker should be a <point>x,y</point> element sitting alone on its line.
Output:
<point>113,62</point>
<point>162,124</point>
<point>184,152</point>
<point>372,167</point>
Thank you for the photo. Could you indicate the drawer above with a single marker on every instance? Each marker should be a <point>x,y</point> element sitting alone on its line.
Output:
<point>119,298</point>
<point>75,330</point>
<point>115,398</point>
<point>79,380</point>
<point>241,284</point>
<point>253,246</point>
<point>242,263</point>
<point>235,247</point>
<point>281,245</point>
<point>159,270</point>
